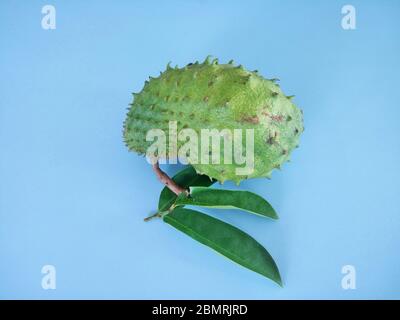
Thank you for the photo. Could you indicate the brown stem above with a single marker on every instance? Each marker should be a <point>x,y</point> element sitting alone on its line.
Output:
<point>165,179</point>
<point>156,215</point>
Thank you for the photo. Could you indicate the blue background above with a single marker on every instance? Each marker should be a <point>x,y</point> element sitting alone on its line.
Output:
<point>73,197</point>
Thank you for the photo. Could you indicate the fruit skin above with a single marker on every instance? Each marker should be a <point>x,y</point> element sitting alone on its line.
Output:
<point>209,95</point>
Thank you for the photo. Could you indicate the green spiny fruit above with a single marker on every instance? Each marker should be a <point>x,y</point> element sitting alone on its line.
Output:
<point>209,95</point>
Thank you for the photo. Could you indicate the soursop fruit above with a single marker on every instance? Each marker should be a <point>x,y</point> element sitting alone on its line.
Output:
<point>210,95</point>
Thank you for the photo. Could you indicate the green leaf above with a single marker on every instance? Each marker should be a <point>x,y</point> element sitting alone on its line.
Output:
<point>234,199</point>
<point>226,240</point>
<point>185,178</point>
